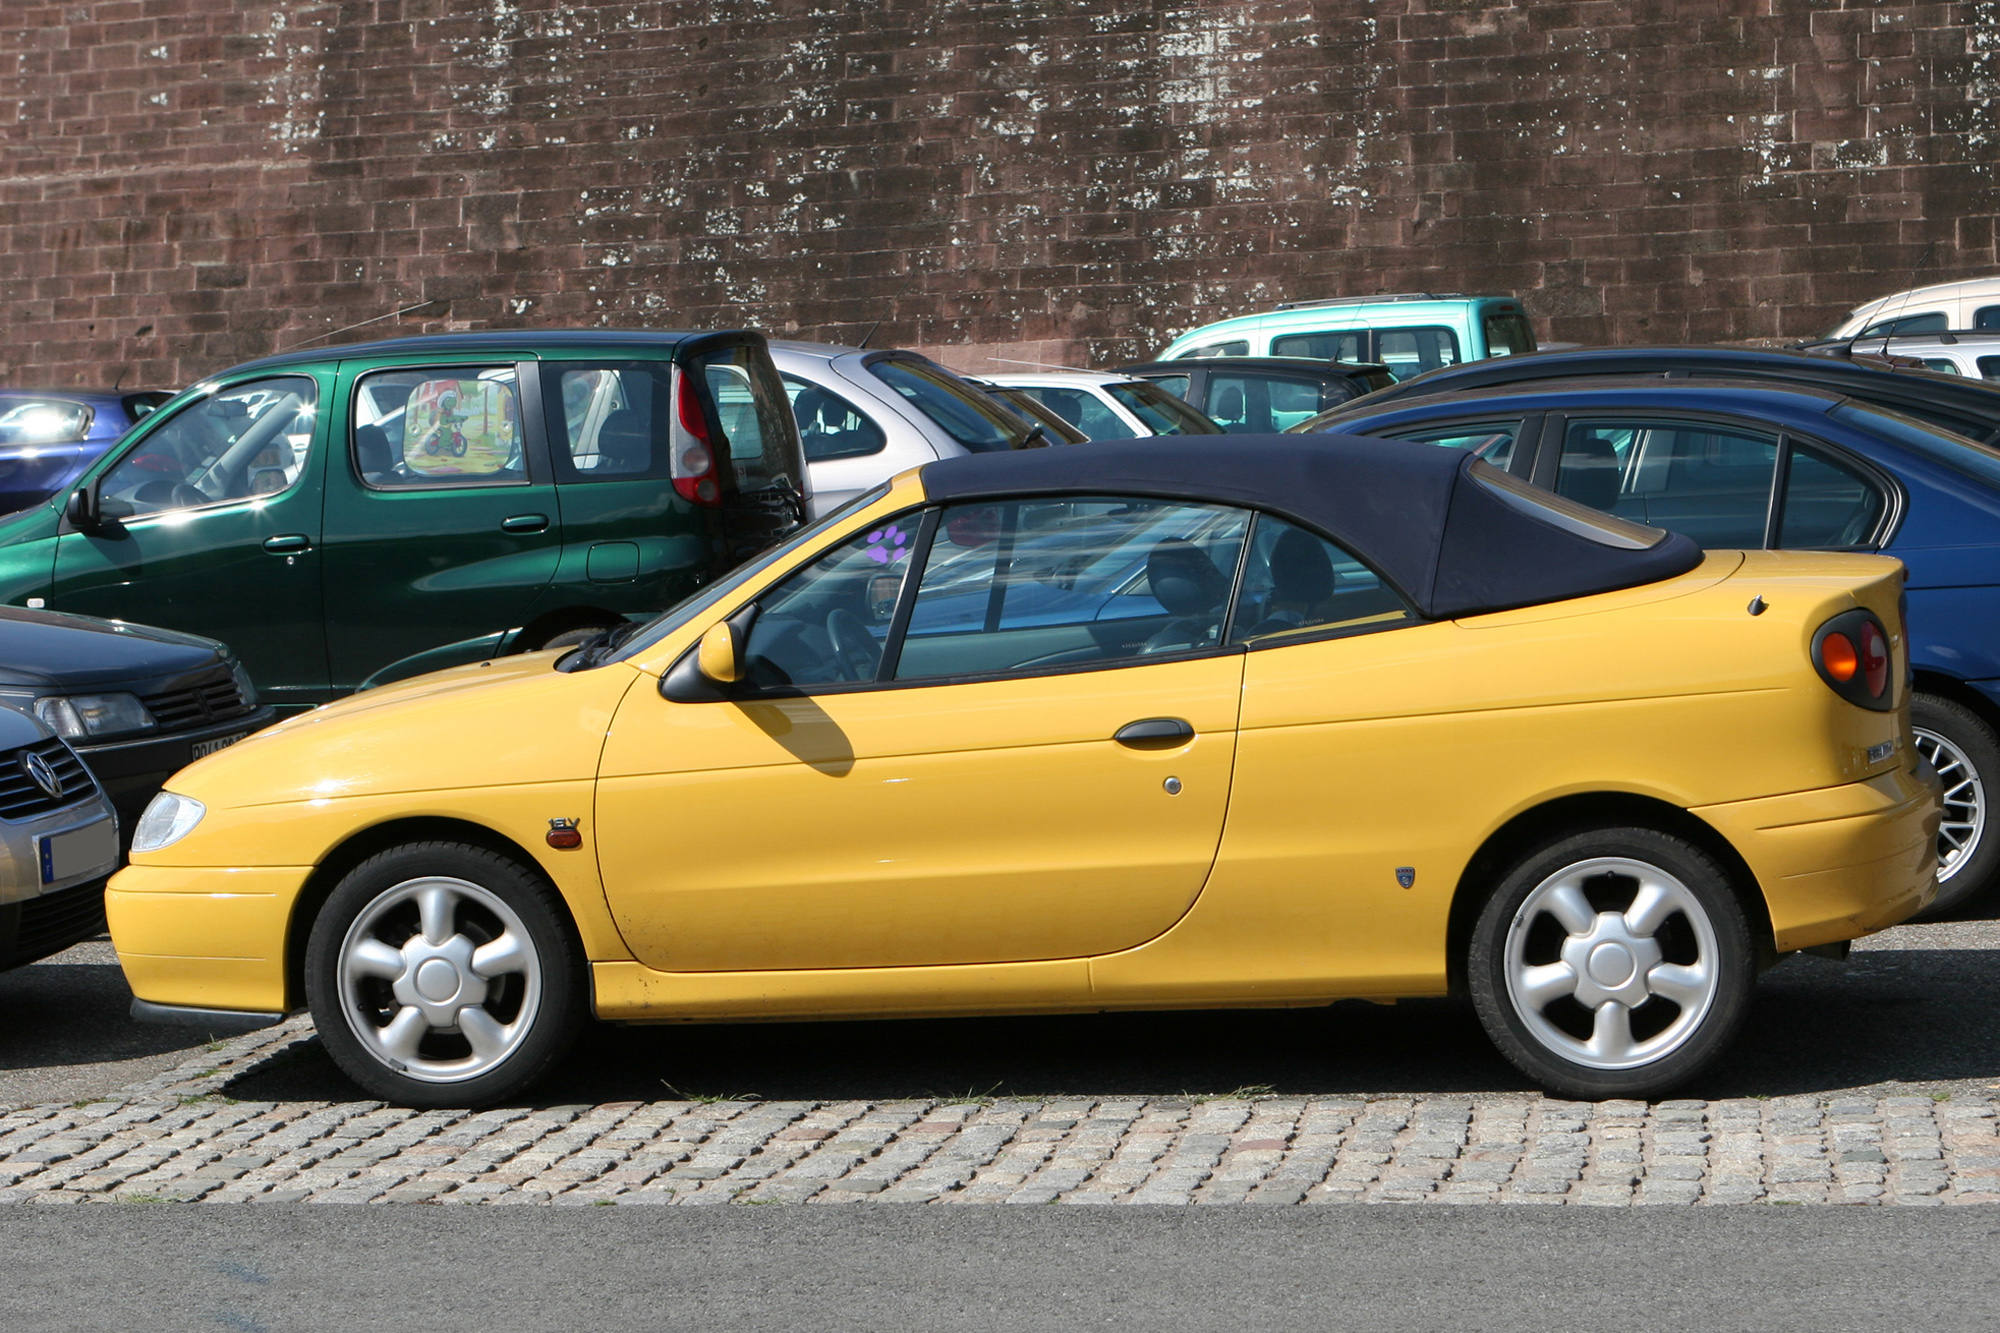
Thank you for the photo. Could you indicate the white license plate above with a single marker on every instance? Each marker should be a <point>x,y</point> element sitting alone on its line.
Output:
<point>219,743</point>
<point>78,851</point>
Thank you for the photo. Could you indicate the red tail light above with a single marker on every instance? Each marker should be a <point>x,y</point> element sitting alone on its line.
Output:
<point>1851,653</point>
<point>694,451</point>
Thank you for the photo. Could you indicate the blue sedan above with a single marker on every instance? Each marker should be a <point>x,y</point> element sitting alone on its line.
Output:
<point>48,438</point>
<point>1735,465</point>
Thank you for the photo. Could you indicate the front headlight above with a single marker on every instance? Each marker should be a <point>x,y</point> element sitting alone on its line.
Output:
<point>246,690</point>
<point>80,716</point>
<point>169,817</point>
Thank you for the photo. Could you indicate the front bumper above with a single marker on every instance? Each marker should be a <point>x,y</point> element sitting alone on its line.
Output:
<point>132,772</point>
<point>1839,862</point>
<point>204,939</point>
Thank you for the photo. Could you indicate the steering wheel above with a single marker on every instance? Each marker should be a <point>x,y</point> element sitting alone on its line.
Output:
<point>856,655</point>
<point>185,496</point>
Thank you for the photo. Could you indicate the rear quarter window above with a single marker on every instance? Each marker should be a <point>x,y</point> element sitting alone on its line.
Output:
<point>755,415</point>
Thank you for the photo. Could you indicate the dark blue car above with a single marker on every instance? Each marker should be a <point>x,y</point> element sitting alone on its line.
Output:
<point>48,438</point>
<point>1737,465</point>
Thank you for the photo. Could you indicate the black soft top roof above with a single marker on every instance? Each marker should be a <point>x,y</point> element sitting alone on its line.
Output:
<point>1453,535</point>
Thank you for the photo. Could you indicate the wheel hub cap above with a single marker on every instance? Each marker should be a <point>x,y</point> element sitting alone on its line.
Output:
<point>1611,963</point>
<point>462,965</point>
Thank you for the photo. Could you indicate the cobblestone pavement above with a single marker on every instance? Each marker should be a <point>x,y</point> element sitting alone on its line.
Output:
<point>176,1137</point>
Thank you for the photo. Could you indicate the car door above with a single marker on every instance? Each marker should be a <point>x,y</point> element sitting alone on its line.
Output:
<point>210,523</point>
<point>441,519</point>
<point>924,765</point>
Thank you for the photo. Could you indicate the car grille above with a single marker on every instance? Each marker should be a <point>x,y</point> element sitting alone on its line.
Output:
<point>22,798</point>
<point>213,698</point>
<point>51,923</point>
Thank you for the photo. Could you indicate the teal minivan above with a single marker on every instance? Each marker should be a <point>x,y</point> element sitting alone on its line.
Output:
<point>410,503</point>
<point>1409,332</point>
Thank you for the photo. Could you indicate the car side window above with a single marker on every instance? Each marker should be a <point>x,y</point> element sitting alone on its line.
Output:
<point>1941,365</point>
<point>1408,352</point>
<point>245,442</point>
<point>1341,345</point>
<point>1986,317</point>
<point>962,412</point>
<point>1249,404</point>
<point>1297,582</point>
<point>1508,335</point>
<point>614,419</point>
<point>827,623</point>
<point>830,427</point>
<point>1828,501</point>
<point>1491,440</point>
<point>1933,321</point>
<point>1035,585</point>
<point>438,428</point>
<point>1989,367</point>
<point>1711,482</point>
<point>1239,347</point>
<point>1083,410</point>
<point>1177,385</point>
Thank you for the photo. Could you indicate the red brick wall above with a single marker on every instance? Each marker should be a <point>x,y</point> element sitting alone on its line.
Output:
<point>189,183</point>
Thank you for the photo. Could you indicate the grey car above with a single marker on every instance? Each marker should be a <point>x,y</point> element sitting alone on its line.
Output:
<point>58,843</point>
<point>865,416</point>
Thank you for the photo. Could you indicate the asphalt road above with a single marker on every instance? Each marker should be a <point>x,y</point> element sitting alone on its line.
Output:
<point>283,1268</point>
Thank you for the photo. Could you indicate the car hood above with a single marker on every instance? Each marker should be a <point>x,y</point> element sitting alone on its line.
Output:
<point>51,649</point>
<point>514,721</point>
<point>18,729</point>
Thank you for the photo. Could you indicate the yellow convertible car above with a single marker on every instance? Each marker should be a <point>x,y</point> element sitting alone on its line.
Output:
<point>1207,722</point>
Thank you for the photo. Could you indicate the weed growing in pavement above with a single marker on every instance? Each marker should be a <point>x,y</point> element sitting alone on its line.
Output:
<point>82,1102</point>
<point>213,1047</point>
<point>709,1099</point>
<point>1248,1092</point>
<point>969,1097</point>
<point>196,1098</point>
<point>1940,1096</point>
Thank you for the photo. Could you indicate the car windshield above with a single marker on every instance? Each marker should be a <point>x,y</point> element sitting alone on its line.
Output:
<point>961,411</point>
<point>1163,413</point>
<point>1978,461</point>
<point>681,613</point>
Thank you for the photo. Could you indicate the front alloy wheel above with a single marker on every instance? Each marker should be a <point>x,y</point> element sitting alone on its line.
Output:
<point>1612,964</point>
<point>442,975</point>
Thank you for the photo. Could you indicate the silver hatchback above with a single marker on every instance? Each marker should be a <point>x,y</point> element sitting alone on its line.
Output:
<point>865,416</point>
<point>58,843</point>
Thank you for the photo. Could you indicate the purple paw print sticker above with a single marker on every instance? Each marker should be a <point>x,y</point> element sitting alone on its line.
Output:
<point>888,545</point>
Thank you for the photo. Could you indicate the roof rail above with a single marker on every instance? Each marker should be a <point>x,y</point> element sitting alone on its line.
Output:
<point>1371,300</point>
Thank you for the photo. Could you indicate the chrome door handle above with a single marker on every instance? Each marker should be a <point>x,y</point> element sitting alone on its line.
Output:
<point>1154,732</point>
<point>291,543</point>
<point>525,523</point>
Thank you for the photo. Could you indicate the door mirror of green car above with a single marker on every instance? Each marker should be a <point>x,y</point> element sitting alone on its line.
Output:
<point>81,509</point>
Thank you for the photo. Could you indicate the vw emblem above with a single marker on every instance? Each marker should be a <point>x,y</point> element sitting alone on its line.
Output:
<point>42,774</point>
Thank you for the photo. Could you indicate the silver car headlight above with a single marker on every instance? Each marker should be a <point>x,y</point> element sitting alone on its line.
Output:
<point>169,817</point>
<point>77,717</point>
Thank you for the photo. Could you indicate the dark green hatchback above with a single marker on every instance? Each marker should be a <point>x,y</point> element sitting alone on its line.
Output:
<point>330,514</point>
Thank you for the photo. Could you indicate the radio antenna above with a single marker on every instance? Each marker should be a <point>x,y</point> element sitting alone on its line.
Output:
<point>334,333</point>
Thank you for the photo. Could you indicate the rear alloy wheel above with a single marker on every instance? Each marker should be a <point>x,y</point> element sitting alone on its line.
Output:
<point>1961,747</point>
<point>441,974</point>
<point>1615,963</point>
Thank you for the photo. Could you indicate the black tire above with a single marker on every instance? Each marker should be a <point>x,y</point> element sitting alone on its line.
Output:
<point>535,999</point>
<point>1705,926</point>
<point>1968,796</point>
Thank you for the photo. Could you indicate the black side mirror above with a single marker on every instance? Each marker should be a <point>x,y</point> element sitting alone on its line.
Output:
<point>81,509</point>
